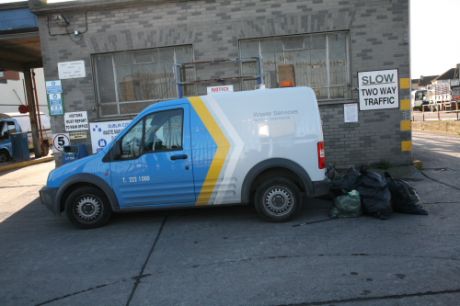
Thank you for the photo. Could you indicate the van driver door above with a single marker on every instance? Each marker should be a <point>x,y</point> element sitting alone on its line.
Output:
<point>154,167</point>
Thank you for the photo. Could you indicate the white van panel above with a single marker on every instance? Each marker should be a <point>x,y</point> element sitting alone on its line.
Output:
<point>265,124</point>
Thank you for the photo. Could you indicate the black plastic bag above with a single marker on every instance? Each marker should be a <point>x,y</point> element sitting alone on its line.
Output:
<point>404,197</point>
<point>346,183</point>
<point>375,195</point>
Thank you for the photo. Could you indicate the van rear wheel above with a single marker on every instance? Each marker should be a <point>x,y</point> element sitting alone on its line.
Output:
<point>277,200</point>
<point>87,207</point>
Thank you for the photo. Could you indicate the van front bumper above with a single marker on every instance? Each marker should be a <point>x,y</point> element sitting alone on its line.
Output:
<point>321,188</point>
<point>48,198</point>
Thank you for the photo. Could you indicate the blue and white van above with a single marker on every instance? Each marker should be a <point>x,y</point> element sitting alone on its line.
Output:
<point>263,147</point>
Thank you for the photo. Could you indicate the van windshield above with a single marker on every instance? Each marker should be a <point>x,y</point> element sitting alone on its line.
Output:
<point>420,95</point>
<point>7,126</point>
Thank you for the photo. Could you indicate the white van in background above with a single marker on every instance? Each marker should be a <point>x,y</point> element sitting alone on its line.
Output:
<point>419,98</point>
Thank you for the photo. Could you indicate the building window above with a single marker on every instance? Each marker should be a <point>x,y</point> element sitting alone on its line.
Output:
<point>126,82</point>
<point>320,61</point>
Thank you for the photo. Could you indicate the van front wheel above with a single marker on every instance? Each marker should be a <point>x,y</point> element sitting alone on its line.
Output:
<point>277,200</point>
<point>4,156</point>
<point>88,207</point>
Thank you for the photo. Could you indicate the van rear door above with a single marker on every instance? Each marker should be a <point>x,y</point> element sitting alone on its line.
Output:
<point>154,167</point>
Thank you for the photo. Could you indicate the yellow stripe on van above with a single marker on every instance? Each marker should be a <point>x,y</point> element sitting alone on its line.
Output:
<point>223,147</point>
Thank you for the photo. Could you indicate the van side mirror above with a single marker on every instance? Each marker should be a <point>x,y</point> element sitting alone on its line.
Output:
<point>114,153</point>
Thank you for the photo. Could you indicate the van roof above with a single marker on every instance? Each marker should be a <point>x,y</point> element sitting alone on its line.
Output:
<point>236,94</point>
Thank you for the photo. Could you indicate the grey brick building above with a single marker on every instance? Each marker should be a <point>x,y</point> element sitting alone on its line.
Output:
<point>130,47</point>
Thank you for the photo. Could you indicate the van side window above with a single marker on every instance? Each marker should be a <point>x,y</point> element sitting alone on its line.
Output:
<point>3,129</point>
<point>11,127</point>
<point>131,143</point>
<point>163,131</point>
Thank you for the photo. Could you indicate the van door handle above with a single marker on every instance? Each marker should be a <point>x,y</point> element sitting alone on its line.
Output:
<point>179,156</point>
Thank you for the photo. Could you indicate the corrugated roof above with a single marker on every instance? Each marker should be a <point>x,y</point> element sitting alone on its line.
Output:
<point>450,74</point>
<point>426,80</point>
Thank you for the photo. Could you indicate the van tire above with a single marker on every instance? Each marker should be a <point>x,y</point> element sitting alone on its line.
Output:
<point>88,207</point>
<point>277,199</point>
<point>4,156</point>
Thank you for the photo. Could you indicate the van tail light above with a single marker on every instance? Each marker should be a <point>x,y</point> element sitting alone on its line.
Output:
<point>321,155</point>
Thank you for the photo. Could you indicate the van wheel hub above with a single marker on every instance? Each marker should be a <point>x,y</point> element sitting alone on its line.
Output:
<point>88,208</point>
<point>278,200</point>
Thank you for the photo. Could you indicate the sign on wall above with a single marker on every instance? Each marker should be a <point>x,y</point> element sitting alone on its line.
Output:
<point>378,89</point>
<point>60,140</point>
<point>71,70</point>
<point>78,135</point>
<point>53,87</point>
<point>102,133</point>
<point>219,89</point>
<point>76,121</point>
<point>56,105</point>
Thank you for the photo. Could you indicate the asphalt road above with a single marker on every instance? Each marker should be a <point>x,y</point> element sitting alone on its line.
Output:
<point>226,256</point>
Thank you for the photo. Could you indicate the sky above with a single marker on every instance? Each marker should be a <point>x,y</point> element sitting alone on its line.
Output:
<point>435,38</point>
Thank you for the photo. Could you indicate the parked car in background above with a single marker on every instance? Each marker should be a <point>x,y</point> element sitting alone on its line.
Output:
<point>20,123</point>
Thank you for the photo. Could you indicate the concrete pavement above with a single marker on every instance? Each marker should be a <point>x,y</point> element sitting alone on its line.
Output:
<point>434,116</point>
<point>226,256</point>
<point>13,165</point>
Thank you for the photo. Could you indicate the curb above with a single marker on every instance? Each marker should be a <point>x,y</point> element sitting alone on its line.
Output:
<point>26,163</point>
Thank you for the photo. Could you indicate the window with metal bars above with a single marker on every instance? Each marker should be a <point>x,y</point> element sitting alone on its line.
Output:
<point>320,61</point>
<point>126,82</point>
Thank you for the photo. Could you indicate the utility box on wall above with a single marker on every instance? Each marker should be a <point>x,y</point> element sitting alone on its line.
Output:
<point>286,75</point>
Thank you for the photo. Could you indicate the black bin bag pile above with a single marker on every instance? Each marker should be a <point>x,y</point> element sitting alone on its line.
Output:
<point>380,194</point>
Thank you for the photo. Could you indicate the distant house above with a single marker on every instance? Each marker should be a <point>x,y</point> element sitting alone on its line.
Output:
<point>445,87</point>
<point>451,74</point>
<point>422,82</point>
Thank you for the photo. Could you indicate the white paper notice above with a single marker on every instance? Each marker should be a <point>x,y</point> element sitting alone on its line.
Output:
<point>350,112</point>
<point>71,70</point>
<point>76,121</point>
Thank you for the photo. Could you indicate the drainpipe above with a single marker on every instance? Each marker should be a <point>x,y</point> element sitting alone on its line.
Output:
<point>32,112</point>
<point>40,127</point>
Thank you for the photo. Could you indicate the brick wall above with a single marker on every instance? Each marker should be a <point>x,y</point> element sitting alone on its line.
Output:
<point>379,32</point>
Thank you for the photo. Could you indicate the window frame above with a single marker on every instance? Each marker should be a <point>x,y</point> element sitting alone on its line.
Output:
<point>181,136</point>
<point>120,141</point>
<point>348,77</point>
<point>118,103</point>
<point>111,157</point>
